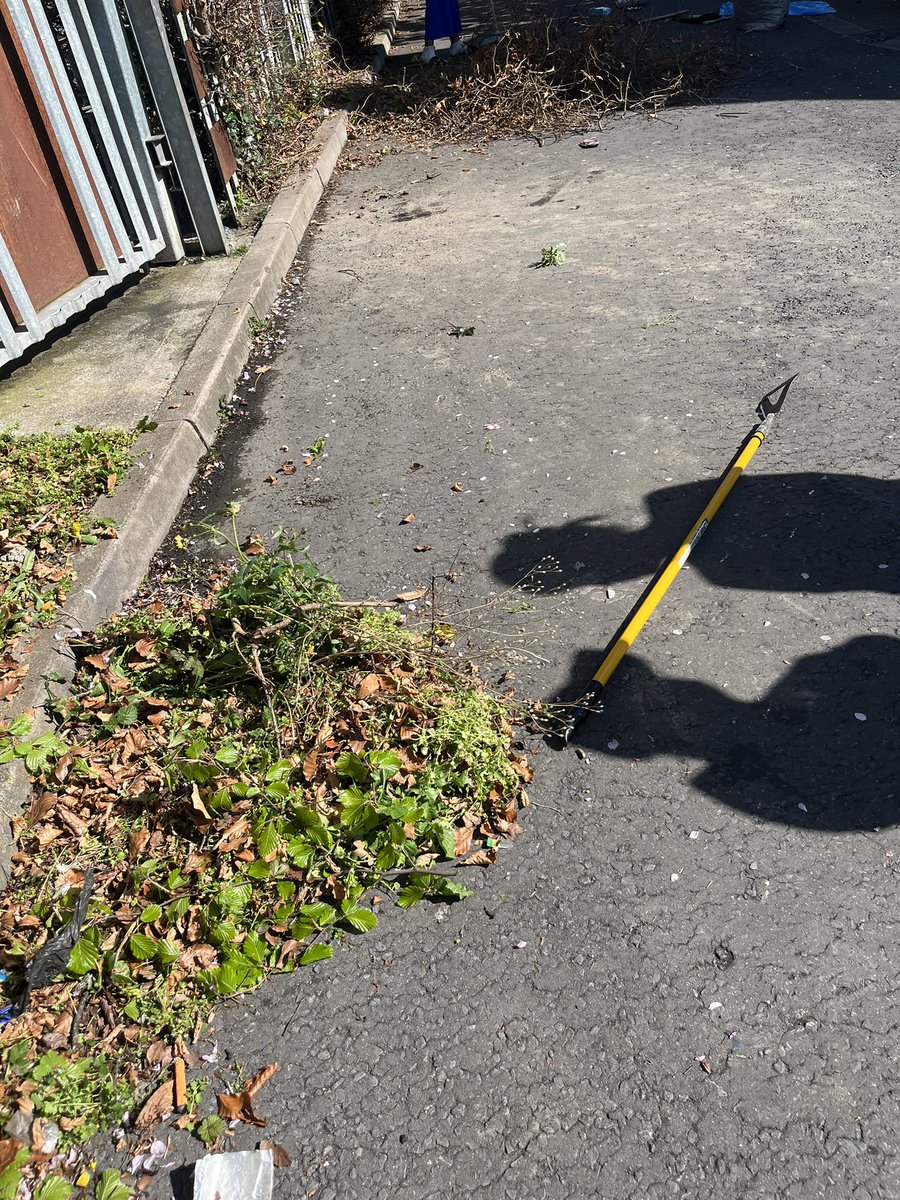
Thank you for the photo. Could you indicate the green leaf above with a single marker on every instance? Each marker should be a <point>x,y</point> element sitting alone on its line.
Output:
<point>236,975</point>
<point>111,1187</point>
<point>141,946</point>
<point>300,852</point>
<point>235,896</point>
<point>223,934</point>
<point>229,754</point>
<point>444,839</point>
<point>360,919</point>
<point>389,858</point>
<point>302,928</point>
<point>260,869</point>
<point>353,766</point>
<point>385,762</point>
<point>267,839</point>
<point>18,1056</point>
<point>322,914</point>
<point>411,894</point>
<point>210,1130</point>
<point>178,908</point>
<point>53,1189</point>
<point>455,891</point>
<point>351,801</point>
<point>166,952</point>
<point>314,954</point>
<point>150,914</point>
<point>85,955</point>
<point>255,948</point>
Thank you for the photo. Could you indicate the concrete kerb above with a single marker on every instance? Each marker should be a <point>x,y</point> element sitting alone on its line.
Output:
<point>384,39</point>
<point>145,505</point>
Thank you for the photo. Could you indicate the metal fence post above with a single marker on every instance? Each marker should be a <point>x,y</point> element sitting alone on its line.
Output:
<point>153,46</point>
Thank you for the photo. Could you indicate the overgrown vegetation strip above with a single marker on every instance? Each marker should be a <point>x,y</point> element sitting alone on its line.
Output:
<point>238,779</point>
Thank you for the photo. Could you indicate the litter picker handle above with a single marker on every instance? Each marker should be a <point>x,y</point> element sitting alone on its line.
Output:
<point>665,576</point>
<point>649,600</point>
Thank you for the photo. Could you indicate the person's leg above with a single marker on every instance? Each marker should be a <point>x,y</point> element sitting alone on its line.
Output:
<point>455,27</point>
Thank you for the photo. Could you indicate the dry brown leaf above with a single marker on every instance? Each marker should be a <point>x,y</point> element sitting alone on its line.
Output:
<point>100,661</point>
<point>9,1148</point>
<point>309,765</point>
<point>456,487</point>
<point>261,1078</point>
<point>158,1106</point>
<point>463,840</point>
<point>197,803</point>
<point>271,481</point>
<point>42,805</point>
<point>159,1054</point>
<point>253,546</point>
<point>72,822</point>
<point>9,687</point>
<point>238,1106</point>
<point>280,1155</point>
<point>288,467</point>
<point>263,370</point>
<point>200,955</point>
<point>192,1059</point>
<point>134,742</point>
<point>408,519</point>
<point>481,858</point>
<point>137,842</point>
<point>521,767</point>
<point>406,597</point>
<point>417,466</point>
<point>421,549</point>
<point>234,836</point>
<point>368,686</point>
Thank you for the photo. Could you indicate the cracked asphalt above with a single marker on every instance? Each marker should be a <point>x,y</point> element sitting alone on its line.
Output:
<point>681,981</point>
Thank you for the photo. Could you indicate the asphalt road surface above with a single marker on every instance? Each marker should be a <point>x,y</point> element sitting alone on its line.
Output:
<point>682,980</point>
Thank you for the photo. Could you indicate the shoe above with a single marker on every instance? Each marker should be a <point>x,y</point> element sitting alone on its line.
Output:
<point>458,47</point>
<point>428,54</point>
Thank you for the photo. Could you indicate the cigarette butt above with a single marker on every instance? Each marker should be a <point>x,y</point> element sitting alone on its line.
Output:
<point>180,1085</point>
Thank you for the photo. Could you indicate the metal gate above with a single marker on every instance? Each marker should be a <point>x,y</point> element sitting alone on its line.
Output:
<point>81,207</point>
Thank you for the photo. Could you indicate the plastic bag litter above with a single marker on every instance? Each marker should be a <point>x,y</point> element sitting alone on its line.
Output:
<point>759,16</point>
<point>53,957</point>
<point>240,1175</point>
<point>749,10</point>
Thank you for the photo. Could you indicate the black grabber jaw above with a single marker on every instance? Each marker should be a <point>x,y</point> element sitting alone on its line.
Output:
<point>771,404</point>
<point>589,702</point>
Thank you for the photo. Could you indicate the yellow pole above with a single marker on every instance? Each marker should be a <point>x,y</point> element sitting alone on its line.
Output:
<point>666,576</point>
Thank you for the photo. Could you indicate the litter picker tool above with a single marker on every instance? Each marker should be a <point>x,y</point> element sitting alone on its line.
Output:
<point>648,602</point>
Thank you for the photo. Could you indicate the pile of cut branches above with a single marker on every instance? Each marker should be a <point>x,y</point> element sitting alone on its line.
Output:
<point>541,81</point>
<point>236,780</point>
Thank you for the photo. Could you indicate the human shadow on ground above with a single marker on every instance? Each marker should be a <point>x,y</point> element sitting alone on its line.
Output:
<point>819,750</point>
<point>801,532</point>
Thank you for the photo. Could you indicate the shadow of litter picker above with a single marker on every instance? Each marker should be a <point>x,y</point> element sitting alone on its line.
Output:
<point>819,750</point>
<point>800,532</point>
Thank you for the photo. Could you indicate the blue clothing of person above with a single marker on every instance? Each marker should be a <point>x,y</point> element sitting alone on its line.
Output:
<point>442,19</point>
